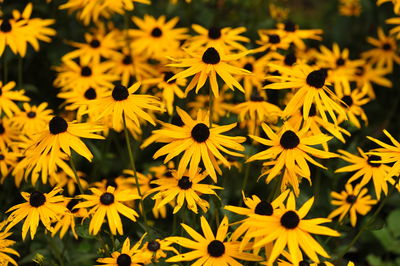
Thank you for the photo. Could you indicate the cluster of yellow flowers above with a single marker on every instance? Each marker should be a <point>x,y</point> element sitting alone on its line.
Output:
<point>291,98</point>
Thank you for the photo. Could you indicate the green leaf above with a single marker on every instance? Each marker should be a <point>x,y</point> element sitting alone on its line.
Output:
<point>393,222</point>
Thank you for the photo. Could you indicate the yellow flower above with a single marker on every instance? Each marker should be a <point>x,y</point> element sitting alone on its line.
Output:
<point>210,249</point>
<point>353,103</point>
<point>33,118</point>
<point>39,206</point>
<point>155,249</point>
<point>290,149</point>
<point>156,37</point>
<point>122,102</point>
<point>7,98</point>
<point>186,188</point>
<point>5,247</point>
<point>108,204</point>
<point>226,39</point>
<point>366,167</point>
<point>385,51</point>
<point>287,227</point>
<point>310,88</point>
<point>198,142</point>
<point>208,64</point>
<point>130,256</point>
<point>351,200</point>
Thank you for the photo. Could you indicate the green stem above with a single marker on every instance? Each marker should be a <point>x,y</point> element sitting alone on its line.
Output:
<point>210,106</point>
<point>132,162</point>
<point>20,72</point>
<point>78,181</point>
<point>5,68</point>
<point>370,220</point>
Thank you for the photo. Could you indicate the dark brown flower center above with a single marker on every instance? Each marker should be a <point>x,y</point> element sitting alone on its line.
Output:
<point>156,32</point>
<point>216,248</point>
<point>289,140</point>
<point>86,71</point>
<point>387,47</point>
<point>348,100</point>
<point>273,38</point>
<point>290,220</point>
<point>290,26</point>
<point>167,76</point>
<point>340,62</point>
<point>200,132</point>
<point>211,56</point>
<point>90,94</point>
<point>153,246</point>
<point>290,59</point>
<point>120,93</point>
<point>2,129</point>
<point>264,208</point>
<point>71,204</point>
<point>57,125</point>
<point>2,157</point>
<point>37,199</point>
<point>107,198</point>
<point>185,183</point>
<point>214,33</point>
<point>124,260</point>
<point>374,158</point>
<point>249,67</point>
<point>351,199</point>
<point>127,60</point>
<point>317,78</point>
<point>5,26</point>
<point>31,114</point>
<point>95,43</point>
<point>360,71</point>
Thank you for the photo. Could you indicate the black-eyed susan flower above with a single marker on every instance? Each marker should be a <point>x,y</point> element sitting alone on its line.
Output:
<point>123,102</point>
<point>9,97</point>
<point>155,249</point>
<point>207,64</point>
<point>368,74</point>
<point>44,207</point>
<point>272,42</point>
<point>351,200</point>
<point>198,142</point>
<point>32,119</point>
<point>156,37</point>
<point>12,34</point>
<point>183,189</point>
<point>63,135</point>
<point>353,103</point>
<point>99,44</point>
<point>311,88</point>
<point>66,221</point>
<point>290,150</point>
<point>387,154</point>
<point>129,64</point>
<point>226,39</point>
<point>287,227</point>
<point>254,205</point>
<point>385,52</point>
<point>210,249</point>
<point>317,124</point>
<point>366,167</point>
<point>303,261</point>
<point>35,29</point>
<point>5,247</point>
<point>76,76</point>
<point>129,256</point>
<point>340,68</point>
<point>294,34</point>
<point>108,204</point>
